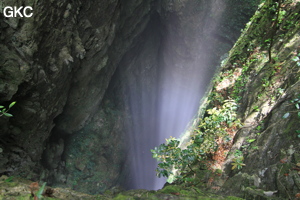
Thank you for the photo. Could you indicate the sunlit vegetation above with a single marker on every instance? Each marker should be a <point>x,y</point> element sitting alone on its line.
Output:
<point>296,102</point>
<point>256,63</point>
<point>212,134</point>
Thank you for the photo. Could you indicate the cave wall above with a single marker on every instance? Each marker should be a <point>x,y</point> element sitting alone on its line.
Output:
<point>96,152</point>
<point>262,78</point>
<point>57,66</point>
<point>38,76</point>
<point>60,67</point>
<point>269,138</point>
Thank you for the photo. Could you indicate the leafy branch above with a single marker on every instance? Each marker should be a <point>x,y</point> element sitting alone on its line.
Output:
<point>203,143</point>
<point>4,111</point>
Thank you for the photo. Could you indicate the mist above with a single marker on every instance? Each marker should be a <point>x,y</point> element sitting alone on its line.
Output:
<point>174,73</point>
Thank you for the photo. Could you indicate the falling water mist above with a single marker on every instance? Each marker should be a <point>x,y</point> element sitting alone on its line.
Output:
<point>169,69</point>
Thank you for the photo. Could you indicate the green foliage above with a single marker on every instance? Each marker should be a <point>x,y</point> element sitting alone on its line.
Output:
<point>238,153</point>
<point>255,147</point>
<point>9,179</point>
<point>280,91</point>
<point>215,124</point>
<point>237,163</point>
<point>266,82</point>
<point>242,80</point>
<point>172,157</point>
<point>225,114</point>
<point>281,16</point>
<point>258,127</point>
<point>237,160</point>
<point>296,103</point>
<point>251,140</point>
<point>256,108</point>
<point>202,143</point>
<point>290,21</point>
<point>39,193</point>
<point>297,59</point>
<point>4,111</point>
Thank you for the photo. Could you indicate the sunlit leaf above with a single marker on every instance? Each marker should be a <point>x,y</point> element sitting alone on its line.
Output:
<point>251,140</point>
<point>39,193</point>
<point>12,104</point>
<point>233,166</point>
<point>286,115</point>
<point>295,58</point>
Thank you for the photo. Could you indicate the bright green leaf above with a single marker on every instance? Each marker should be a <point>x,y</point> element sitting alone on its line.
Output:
<point>39,193</point>
<point>12,104</point>
<point>295,58</point>
<point>7,114</point>
<point>251,140</point>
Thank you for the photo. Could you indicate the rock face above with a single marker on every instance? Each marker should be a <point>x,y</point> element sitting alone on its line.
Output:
<point>261,74</point>
<point>57,65</point>
<point>269,107</point>
<point>69,121</point>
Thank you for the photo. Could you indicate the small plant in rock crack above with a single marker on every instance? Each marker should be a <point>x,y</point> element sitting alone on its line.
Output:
<point>256,108</point>
<point>238,160</point>
<point>37,192</point>
<point>238,153</point>
<point>237,163</point>
<point>4,111</point>
<point>251,140</point>
<point>296,102</point>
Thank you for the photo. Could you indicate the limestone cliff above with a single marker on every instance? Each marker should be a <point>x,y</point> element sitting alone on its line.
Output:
<point>67,68</point>
<point>268,89</point>
<point>57,65</point>
<point>60,67</point>
<point>261,75</point>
